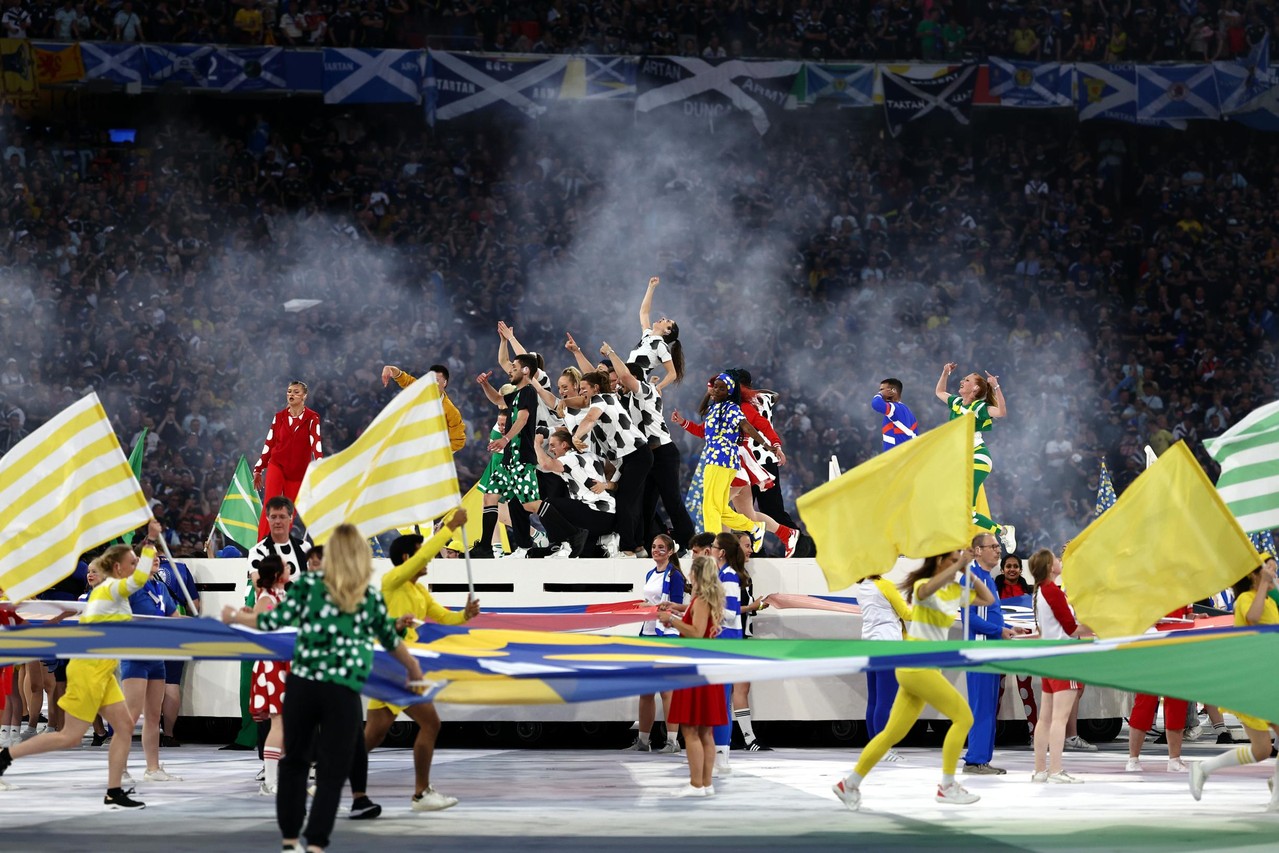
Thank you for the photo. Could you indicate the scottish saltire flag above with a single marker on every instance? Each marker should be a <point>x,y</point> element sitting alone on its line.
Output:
<point>184,64</point>
<point>599,78</point>
<point>116,62</point>
<point>1110,92</point>
<point>1029,85</point>
<point>1248,454</point>
<point>399,471</point>
<point>354,75</point>
<point>844,85</point>
<point>461,83</point>
<point>1177,92</point>
<point>248,69</point>
<point>64,489</point>
<point>241,508</point>
<point>1105,490</point>
<point>1239,81</point>
<point>947,96</point>
<point>707,89</point>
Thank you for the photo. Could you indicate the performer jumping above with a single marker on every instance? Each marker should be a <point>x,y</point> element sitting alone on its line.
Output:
<point>291,443</point>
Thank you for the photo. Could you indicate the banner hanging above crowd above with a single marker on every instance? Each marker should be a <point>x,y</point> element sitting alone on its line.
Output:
<point>457,83</point>
<point>945,95</point>
<point>1029,85</point>
<point>705,90</point>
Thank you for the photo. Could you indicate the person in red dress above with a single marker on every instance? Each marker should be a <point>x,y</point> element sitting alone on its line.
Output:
<point>266,698</point>
<point>291,443</point>
<point>697,710</point>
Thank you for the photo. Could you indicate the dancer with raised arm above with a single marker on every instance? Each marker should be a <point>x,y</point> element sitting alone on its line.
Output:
<point>659,344</point>
<point>983,398</point>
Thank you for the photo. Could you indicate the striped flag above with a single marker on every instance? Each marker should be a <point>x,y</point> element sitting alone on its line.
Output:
<point>64,489</point>
<point>238,517</point>
<point>1248,454</point>
<point>398,472</point>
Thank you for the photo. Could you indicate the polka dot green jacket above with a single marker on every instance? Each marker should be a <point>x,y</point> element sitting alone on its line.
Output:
<point>332,646</point>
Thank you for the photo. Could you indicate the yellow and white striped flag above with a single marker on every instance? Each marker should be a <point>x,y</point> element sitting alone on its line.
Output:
<point>64,489</point>
<point>399,471</point>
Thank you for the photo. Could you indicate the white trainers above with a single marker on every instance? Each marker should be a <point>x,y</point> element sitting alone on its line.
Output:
<point>160,775</point>
<point>432,800</point>
<point>1078,744</point>
<point>1176,765</point>
<point>955,794</point>
<point>722,767</point>
<point>498,553</point>
<point>849,795</point>
<point>609,542</point>
<point>1008,538</point>
<point>671,747</point>
<point>1197,779</point>
<point>261,777</point>
<point>710,791</point>
<point>1133,766</point>
<point>265,790</point>
<point>539,539</point>
<point>126,778</point>
<point>893,755</point>
<point>562,551</point>
<point>1061,777</point>
<point>1039,776</point>
<point>639,746</point>
<point>516,554</point>
<point>1193,733</point>
<point>688,791</point>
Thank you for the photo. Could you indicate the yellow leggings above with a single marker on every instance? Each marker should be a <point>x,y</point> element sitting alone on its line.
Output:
<point>915,688</point>
<point>717,514</point>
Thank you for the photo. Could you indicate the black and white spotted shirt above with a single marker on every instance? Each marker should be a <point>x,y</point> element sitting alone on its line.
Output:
<point>292,553</point>
<point>650,353</point>
<point>580,471</point>
<point>645,408</point>
<point>764,402</point>
<point>614,436</point>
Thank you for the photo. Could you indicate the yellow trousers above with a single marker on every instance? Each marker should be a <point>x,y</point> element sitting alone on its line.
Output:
<point>916,688</point>
<point>717,514</point>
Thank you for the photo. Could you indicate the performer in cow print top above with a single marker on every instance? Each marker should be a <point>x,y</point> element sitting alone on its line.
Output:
<point>279,542</point>
<point>659,345</point>
<point>588,510</point>
<point>644,402</point>
<point>615,439</point>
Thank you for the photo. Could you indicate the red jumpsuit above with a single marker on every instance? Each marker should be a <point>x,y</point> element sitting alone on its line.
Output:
<point>291,444</point>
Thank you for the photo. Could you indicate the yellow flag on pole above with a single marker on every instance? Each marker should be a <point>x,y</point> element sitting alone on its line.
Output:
<point>1168,541</point>
<point>399,471</point>
<point>64,489</point>
<point>914,500</point>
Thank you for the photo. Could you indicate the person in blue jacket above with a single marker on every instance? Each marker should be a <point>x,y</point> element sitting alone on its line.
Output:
<point>899,425</point>
<point>984,623</point>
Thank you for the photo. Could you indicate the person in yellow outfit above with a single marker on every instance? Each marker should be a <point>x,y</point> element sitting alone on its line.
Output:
<point>92,686</point>
<point>452,417</point>
<point>406,597</point>
<point>935,599</point>
<point>1252,607</point>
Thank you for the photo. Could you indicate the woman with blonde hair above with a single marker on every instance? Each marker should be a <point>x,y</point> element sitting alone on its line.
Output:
<point>1056,621</point>
<point>338,615</point>
<point>697,710</point>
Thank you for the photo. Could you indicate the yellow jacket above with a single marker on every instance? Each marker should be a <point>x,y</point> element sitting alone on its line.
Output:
<point>453,417</point>
<point>403,595</point>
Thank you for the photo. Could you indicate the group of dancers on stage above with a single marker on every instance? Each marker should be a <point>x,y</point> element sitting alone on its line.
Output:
<point>592,462</point>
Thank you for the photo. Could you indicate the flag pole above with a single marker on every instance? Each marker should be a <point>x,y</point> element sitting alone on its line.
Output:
<point>466,553</point>
<point>173,564</point>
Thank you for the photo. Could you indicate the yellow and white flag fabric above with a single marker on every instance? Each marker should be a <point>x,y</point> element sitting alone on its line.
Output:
<point>64,489</point>
<point>398,472</point>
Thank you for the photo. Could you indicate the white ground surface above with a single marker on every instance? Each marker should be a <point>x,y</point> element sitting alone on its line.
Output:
<point>615,801</point>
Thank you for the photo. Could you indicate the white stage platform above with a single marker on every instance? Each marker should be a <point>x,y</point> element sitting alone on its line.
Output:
<point>620,801</point>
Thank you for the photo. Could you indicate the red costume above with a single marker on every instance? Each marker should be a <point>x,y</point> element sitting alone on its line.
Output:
<point>699,706</point>
<point>291,444</point>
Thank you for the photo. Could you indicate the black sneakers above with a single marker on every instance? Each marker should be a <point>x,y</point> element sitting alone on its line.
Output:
<point>118,798</point>
<point>365,809</point>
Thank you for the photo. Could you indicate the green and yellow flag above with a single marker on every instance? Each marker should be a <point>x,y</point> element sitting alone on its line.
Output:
<point>241,508</point>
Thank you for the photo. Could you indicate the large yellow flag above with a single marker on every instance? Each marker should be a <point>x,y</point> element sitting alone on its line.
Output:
<point>64,489</point>
<point>1169,540</point>
<point>399,471</point>
<point>914,500</point>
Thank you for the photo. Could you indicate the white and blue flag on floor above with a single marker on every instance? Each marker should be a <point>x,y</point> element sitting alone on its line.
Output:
<point>353,75</point>
<point>248,69</point>
<point>1173,92</point>
<point>116,63</point>
<point>843,85</point>
<point>1029,85</point>
<point>186,65</point>
<point>457,83</point>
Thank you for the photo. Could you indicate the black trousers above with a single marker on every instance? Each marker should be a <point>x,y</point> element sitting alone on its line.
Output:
<point>663,481</point>
<point>629,523</point>
<point>320,719</point>
<point>572,516</point>
<point>770,502</point>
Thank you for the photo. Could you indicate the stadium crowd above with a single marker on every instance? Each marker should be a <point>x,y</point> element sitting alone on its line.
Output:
<point>1125,284</point>
<point>1048,30</point>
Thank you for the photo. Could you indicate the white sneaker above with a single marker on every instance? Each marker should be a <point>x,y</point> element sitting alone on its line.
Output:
<point>498,553</point>
<point>642,553</point>
<point>710,791</point>
<point>722,767</point>
<point>160,775</point>
<point>562,551</point>
<point>1039,776</point>
<point>432,800</point>
<point>849,795</point>
<point>639,746</point>
<point>1197,779</point>
<point>1133,766</point>
<point>1193,733</point>
<point>1078,744</point>
<point>261,777</point>
<point>1008,537</point>
<point>956,794</point>
<point>1176,765</point>
<point>126,778</point>
<point>1063,778</point>
<point>893,755</point>
<point>688,791</point>
<point>671,747</point>
<point>609,542</point>
<point>27,734</point>
<point>516,554</point>
<point>540,540</point>
<point>265,790</point>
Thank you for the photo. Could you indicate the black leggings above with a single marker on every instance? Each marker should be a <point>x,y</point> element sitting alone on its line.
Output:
<point>770,502</point>
<point>629,524</point>
<point>335,711</point>
<point>663,481</point>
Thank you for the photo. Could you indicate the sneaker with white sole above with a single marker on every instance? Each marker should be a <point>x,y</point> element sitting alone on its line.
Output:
<point>757,536</point>
<point>893,755</point>
<point>1078,744</point>
<point>1197,779</point>
<point>261,775</point>
<point>118,798</point>
<point>562,551</point>
<point>364,809</point>
<point>1133,766</point>
<point>1193,733</point>
<point>710,791</point>
<point>498,552</point>
<point>517,554</point>
<point>609,544</point>
<point>1008,538</point>
<point>639,746</point>
<point>539,539</point>
<point>722,767</point>
<point>5,786</point>
<point>849,795</point>
<point>265,790</point>
<point>126,778</point>
<point>671,747</point>
<point>688,790</point>
<point>1176,765</point>
<point>432,800</point>
<point>1061,777</point>
<point>955,794</point>
<point>160,775</point>
<point>1039,776</point>
<point>791,540</point>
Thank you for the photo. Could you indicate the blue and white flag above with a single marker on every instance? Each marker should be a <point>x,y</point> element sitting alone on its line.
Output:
<point>599,78</point>
<point>1242,80</point>
<point>1110,92</point>
<point>1177,92</point>
<point>705,90</point>
<point>459,83</point>
<point>946,97</point>
<point>116,63</point>
<point>184,64</point>
<point>1029,85</point>
<point>248,69</point>
<point>353,75</point>
<point>844,85</point>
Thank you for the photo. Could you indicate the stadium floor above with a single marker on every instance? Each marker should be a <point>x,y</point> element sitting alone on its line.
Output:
<point>531,800</point>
